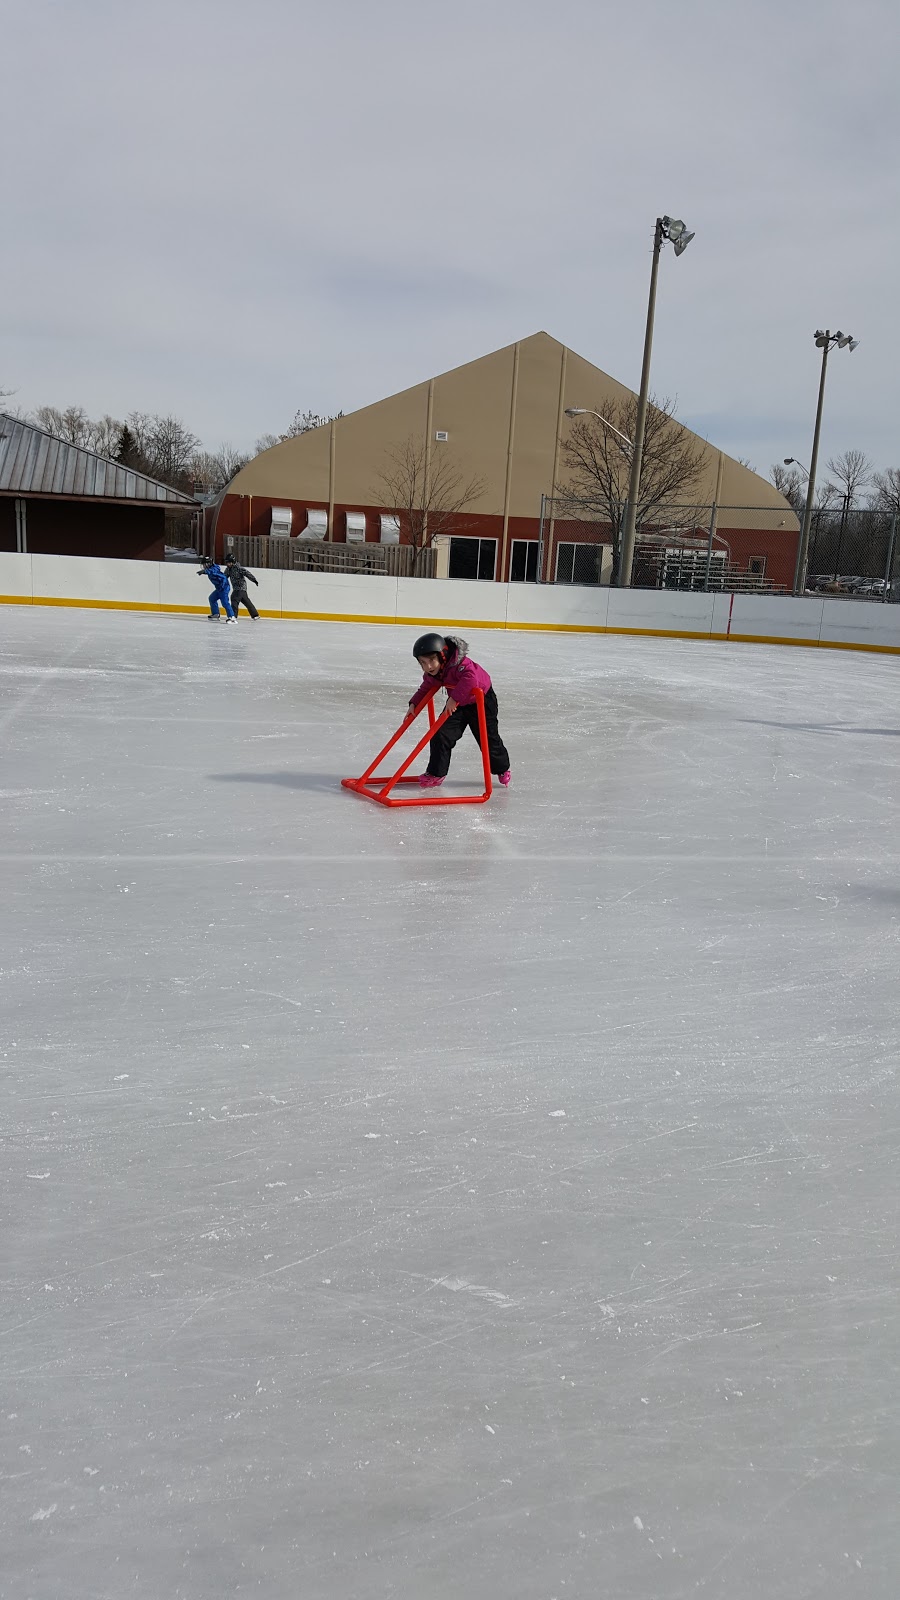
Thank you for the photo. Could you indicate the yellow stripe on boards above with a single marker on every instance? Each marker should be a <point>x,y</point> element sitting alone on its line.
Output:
<point>167,608</point>
<point>99,605</point>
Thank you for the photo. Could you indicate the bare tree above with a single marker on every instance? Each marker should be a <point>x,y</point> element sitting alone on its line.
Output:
<point>599,465</point>
<point>887,491</point>
<point>162,447</point>
<point>850,473</point>
<point>72,424</point>
<point>429,497</point>
<point>305,421</point>
<point>213,469</point>
<point>173,445</point>
<point>166,446</point>
<point>105,434</point>
<point>75,426</point>
<point>791,485</point>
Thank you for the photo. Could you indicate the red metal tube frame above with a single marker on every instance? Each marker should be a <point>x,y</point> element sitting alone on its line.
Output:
<point>379,788</point>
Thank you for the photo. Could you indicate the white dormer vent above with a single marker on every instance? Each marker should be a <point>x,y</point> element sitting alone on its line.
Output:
<point>442,436</point>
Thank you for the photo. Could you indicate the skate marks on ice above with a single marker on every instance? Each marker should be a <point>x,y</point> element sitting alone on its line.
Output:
<point>306,1270</point>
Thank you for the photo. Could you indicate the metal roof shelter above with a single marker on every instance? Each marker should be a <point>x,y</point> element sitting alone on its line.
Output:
<point>58,498</point>
<point>34,462</point>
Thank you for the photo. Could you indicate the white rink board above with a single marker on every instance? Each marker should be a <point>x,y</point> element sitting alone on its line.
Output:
<point>142,585</point>
<point>498,1201</point>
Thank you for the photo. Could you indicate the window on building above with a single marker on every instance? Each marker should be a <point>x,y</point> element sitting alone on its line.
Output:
<point>524,561</point>
<point>473,558</point>
<point>579,563</point>
<point>756,566</point>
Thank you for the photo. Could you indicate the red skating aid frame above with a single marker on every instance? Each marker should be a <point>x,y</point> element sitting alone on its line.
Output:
<point>379,789</point>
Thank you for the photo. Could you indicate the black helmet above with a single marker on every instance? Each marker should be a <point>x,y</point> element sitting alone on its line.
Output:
<point>430,644</point>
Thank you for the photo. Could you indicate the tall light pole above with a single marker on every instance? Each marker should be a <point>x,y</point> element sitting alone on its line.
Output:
<point>675,231</point>
<point>825,341</point>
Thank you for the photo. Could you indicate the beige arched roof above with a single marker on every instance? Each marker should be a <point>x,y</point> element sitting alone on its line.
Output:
<point>503,415</point>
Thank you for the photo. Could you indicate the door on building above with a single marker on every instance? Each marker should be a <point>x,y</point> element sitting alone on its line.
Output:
<point>473,558</point>
<point>523,566</point>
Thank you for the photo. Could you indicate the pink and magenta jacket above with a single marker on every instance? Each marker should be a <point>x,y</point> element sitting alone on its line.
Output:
<point>459,676</point>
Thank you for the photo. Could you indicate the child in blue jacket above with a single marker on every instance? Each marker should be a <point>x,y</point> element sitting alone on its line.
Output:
<point>219,583</point>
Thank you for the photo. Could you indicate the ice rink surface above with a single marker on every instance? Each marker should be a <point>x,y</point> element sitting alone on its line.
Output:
<point>488,1203</point>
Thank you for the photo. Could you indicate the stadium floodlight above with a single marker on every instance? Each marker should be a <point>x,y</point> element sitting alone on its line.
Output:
<point>676,232</point>
<point>825,341</point>
<point>673,229</point>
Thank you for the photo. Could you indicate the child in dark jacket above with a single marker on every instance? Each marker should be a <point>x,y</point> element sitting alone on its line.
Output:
<point>237,576</point>
<point>446,659</point>
<point>219,582</point>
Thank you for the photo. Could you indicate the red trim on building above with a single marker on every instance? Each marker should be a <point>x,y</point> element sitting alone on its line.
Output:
<point>252,514</point>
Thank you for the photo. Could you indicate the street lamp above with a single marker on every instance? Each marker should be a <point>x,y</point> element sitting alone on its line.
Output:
<point>679,237</point>
<point>626,447</point>
<point>791,461</point>
<point>623,439</point>
<point>825,341</point>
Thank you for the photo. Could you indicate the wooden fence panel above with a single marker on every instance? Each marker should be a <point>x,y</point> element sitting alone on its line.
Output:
<point>319,555</point>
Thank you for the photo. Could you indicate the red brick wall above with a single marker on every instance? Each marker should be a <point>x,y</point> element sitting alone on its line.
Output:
<point>242,514</point>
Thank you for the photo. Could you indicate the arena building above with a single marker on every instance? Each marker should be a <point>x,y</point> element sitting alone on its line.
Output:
<point>501,420</point>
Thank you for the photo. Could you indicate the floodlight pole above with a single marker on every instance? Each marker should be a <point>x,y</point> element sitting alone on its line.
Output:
<point>626,548</point>
<point>824,342</point>
<point>803,547</point>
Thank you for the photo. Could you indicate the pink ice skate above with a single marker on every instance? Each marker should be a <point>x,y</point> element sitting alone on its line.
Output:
<point>426,781</point>
<point>504,778</point>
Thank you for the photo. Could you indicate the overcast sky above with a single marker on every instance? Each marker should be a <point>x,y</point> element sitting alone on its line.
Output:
<point>231,210</point>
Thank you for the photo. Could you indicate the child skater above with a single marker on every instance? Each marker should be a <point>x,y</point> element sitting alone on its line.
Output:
<point>237,576</point>
<point>219,583</point>
<point>447,661</point>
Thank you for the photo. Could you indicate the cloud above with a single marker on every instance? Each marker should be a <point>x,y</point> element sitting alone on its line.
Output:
<point>233,212</point>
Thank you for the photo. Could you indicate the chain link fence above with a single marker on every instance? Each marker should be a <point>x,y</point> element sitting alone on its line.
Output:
<point>853,553</point>
<point>739,549</point>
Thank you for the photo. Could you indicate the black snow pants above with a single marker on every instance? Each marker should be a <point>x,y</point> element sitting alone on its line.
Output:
<point>450,734</point>
<point>240,597</point>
